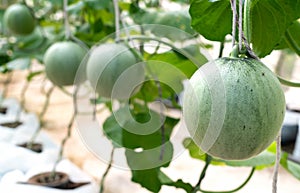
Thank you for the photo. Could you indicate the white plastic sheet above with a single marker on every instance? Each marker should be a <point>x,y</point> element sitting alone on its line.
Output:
<point>9,183</point>
<point>12,105</point>
<point>17,164</point>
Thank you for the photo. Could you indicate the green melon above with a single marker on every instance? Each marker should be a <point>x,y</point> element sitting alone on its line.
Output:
<point>6,4</point>
<point>235,110</point>
<point>112,72</point>
<point>19,20</point>
<point>62,61</point>
<point>175,19</point>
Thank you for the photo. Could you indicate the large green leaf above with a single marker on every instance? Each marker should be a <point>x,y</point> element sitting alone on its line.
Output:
<point>187,66</point>
<point>268,22</point>
<point>145,154</point>
<point>265,25</point>
<point>212,19</point>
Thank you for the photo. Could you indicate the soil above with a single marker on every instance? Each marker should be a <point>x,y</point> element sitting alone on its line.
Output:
<point>3,110</point>
<point>59,181</point>
<point>36,147</point>
<point>12,125</point>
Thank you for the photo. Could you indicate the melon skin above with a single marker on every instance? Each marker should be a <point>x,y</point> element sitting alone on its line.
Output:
<point>254,108</point>
<point>62,60</point>
<point>19,20</point>
<point>114,72</point>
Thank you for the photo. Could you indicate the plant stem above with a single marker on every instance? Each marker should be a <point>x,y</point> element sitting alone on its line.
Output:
<point>62,146</point>
<point>65,91</point>
<point>43,85</point>
<point>181,51</point>
<point>208,159</point>
<point>66,22</point>
<point>46,103</point>
<point>117,19</point>
<point>236,189</point>
<point>25,88</point>
<point>69,133</point>
<point>107,170</point>
<point>44,110</point>
<point>6,84</point>
<point>277,163</point>
<point>221,49</point>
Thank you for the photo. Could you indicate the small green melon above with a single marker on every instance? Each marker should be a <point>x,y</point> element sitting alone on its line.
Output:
<point>234,108</point>
<point>62,61</point>
<point>19,20</point>
<point>112,72</point>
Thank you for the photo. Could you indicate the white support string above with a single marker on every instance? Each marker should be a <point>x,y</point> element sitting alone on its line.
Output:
<point>233,7</point>
<point>277,163</point>
<point>240,24</point>
<point>117,19</point>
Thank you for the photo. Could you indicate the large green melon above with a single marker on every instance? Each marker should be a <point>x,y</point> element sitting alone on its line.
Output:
<point>19,20</point>
<point>234,108</point>
<point>62,61</point>
<point>114,72</point>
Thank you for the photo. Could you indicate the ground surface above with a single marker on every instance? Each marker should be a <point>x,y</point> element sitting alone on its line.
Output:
<point>118,181</point>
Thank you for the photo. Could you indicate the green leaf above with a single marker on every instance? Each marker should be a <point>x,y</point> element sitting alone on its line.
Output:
<point>97,5</point>
<point>113,131</point>
<point>148,179</point>
<point>292,167</point>
<point>133,140</point>
<point>4,58</point>
<point>139,158</point>
<point>124,131</point>
<point>292,38</point>
<point>148,91</point>
<point>265,159</point>
<point>268,22</point>
<point>76,7</point>
<point>170,69</point>
<point>212,19</point>
<point>33,74</point>
<point>19,64</point>
<point>145,154</point>
<point>167,21</point>
<point>165,180</point>
<point>186,66</point>
<point>196,153</point>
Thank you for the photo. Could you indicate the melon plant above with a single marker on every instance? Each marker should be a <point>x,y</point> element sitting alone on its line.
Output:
<point>62,61</point>
<point>254,108</point>
<point>18,19</point>
<point>112,72</point>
